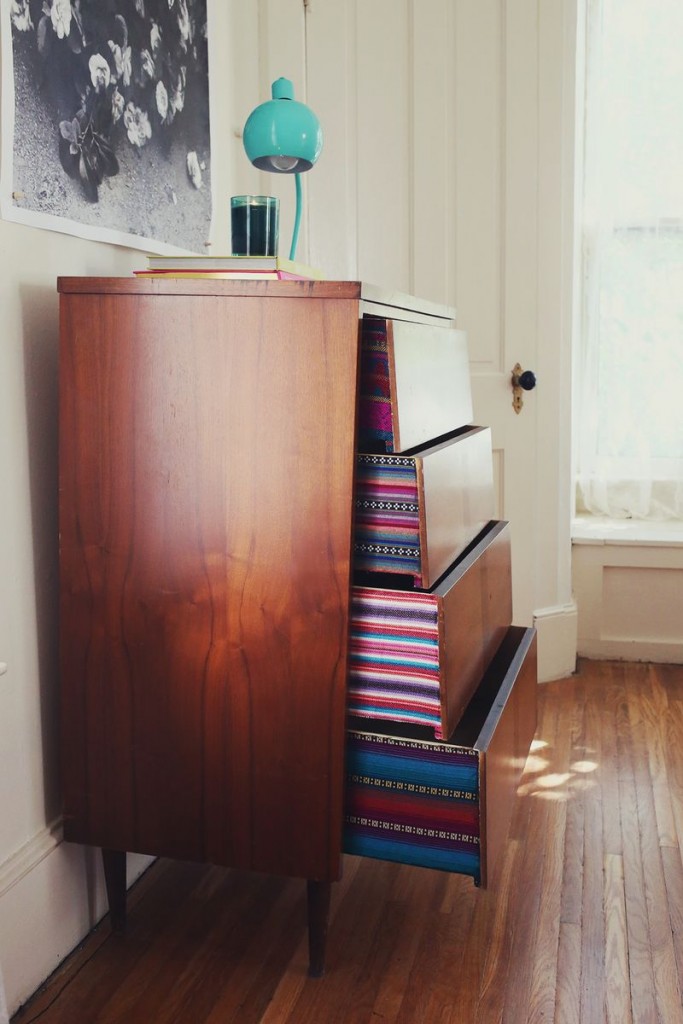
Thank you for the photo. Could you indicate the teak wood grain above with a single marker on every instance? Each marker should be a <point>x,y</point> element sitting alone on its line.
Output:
<point>475,612</point>
<point>455,481</point>
<point>582,923</point>
<point>207,457</point>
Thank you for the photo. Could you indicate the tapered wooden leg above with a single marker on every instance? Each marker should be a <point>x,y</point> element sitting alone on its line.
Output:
<point>318,914</point>
<point>114,862</point>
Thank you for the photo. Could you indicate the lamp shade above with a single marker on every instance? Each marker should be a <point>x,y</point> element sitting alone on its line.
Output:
<point>283,135</point>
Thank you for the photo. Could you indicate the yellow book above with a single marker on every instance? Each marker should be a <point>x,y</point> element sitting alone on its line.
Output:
<point>235,264</point>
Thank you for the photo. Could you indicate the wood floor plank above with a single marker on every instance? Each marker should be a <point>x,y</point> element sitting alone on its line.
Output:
<point>673,877</point>
<point>607,717</point>
<point>644,729</point>
<point>490,1002</point>
<point>592,918</point>
<point>582,924</point>
<point>673,749</point>
<point>641,973</point>
<point>617,980</point>
<point>528,892</point>
<point>554,792</point>
<point>568,987</point>
<point>641,970</point>
<point>582,772</point>
<point>653,709</point>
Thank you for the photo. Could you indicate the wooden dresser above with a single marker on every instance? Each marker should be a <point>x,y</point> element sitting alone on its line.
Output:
<point>215,560</point>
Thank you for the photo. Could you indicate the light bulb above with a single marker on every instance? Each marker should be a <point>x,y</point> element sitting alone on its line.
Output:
<point>284,163</point>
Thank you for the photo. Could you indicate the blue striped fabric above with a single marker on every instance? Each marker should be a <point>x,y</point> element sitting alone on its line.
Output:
<point>412,801</point>
<point>370,845</point>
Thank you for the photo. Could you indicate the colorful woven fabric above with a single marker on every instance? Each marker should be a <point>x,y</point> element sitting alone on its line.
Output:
<point>394,664</point>
<point>412,802</point>
<point>375,428</point>
<point>387,519</point>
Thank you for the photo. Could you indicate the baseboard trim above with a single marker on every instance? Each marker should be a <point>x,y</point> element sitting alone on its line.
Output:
<point>30,855</point>
<point>557,631</point>
<point>661,652</point>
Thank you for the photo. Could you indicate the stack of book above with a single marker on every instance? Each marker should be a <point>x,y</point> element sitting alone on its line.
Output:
<point>246,268</point>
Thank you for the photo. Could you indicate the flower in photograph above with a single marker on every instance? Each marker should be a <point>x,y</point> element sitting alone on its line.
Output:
<point>60,16</point>
<point>137,124</point>
<point>20,15</point>
<point>122,61</point>
<point>71,132</point>
<point>194,169</point>
<point>184,24</point>
<point>177,98</point>
<point>147,69</point>
<point>155,37</point>
<point>118,104</point>
<point>100,75</point>
<point>162,100</point>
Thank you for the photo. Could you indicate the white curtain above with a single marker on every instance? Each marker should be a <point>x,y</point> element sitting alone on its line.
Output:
<point>629,437</point>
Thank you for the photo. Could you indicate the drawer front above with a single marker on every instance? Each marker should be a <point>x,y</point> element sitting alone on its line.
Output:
<point>446,805</point>
<point>418,657</point>
<point>415,514</point>
<point>414,384</point>
<point>504,741</point>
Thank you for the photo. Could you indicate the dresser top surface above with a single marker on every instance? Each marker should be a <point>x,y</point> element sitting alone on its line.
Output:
<point>380,301</point>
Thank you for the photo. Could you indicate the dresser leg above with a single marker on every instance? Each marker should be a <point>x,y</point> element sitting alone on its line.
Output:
<point>114,862</point>
<point>318,914</point>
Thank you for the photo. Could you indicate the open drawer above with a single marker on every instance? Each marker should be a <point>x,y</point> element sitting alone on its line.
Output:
<point>416,513</point>
<point>418,656</point>
<point>446,805</point>
<point>414,383</point>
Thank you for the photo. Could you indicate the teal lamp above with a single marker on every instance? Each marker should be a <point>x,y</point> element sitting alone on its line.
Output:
<point>285,137</point>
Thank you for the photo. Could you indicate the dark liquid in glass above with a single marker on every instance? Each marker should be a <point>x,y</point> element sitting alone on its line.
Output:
<point>254,230</point>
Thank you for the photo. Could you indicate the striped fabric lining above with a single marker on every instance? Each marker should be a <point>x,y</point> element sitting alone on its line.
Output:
<point>412,802</point>
<point>387,519</point>
<point>394,663</point>
<point>375,428</point>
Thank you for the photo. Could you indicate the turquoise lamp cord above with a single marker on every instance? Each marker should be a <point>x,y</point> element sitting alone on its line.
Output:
<point>297,217</point>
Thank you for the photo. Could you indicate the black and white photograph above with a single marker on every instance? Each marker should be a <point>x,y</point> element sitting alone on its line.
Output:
<point>105,120</point>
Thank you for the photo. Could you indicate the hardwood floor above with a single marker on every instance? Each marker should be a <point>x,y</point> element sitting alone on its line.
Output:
<point>584,922</point>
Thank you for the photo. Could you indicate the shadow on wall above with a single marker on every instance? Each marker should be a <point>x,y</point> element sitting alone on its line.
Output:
<point>40,317</point>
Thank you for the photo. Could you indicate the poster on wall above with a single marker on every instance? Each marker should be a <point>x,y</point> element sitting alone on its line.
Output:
<point>105,120</point>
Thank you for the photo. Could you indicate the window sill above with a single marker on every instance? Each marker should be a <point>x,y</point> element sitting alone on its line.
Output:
<point>588,529</point>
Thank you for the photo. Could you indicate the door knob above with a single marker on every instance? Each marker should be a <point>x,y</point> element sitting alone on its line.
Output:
<point>522,380</point>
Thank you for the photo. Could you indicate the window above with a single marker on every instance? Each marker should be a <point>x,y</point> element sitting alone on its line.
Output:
<point>630,380</point>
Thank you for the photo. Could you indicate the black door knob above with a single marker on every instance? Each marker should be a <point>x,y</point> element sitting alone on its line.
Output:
<point>522,380</point>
